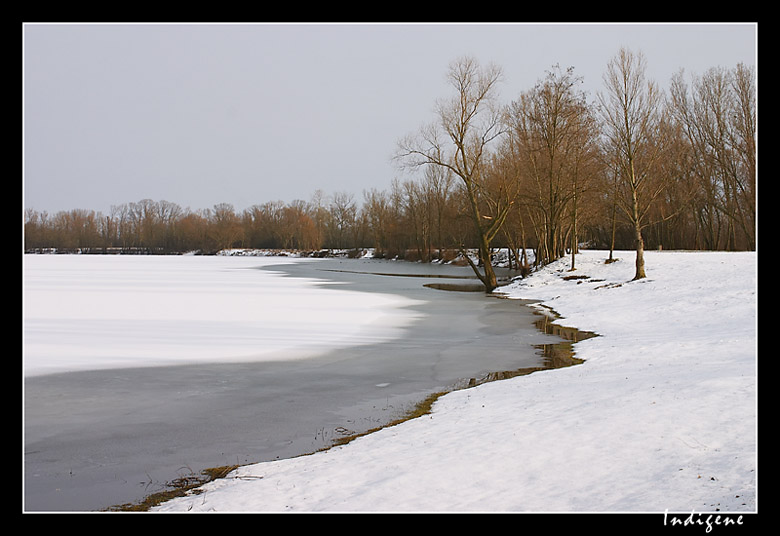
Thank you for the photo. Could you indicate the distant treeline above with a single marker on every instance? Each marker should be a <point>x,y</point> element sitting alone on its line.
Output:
<point>556,165</point>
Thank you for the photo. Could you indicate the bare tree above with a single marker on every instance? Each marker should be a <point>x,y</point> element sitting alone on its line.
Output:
<point>343,212</point>
<point>553,138</point>
<point>377,212</point>
<point>418,216</point>
<point>744,141</point>
<point>225,228</point>
<point>438,185</point>
<point>718,117</point>
<point>467,124</point>
<point>632,110</point>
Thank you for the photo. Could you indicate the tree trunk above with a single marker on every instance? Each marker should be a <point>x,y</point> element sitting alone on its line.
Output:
<point>640,256</point>
<point>574,229</point>
<point>489,278</point>
<point>640,243</point>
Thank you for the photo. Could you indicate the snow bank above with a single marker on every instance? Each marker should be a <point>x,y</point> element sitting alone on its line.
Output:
<point>83,312</point>
<point>662,415</point>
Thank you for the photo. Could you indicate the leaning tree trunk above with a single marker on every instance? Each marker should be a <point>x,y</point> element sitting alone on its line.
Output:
<point>488,278</point>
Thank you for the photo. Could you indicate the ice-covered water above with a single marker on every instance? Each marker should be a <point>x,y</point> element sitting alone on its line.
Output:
<point>87,312</point>
<point>141,369</point>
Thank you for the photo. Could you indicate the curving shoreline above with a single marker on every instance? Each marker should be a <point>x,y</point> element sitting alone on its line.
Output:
<point>559,354</point>
<point>660,417</point>
<point>173,402</point>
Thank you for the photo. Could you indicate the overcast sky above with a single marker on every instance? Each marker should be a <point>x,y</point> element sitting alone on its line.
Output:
<point>243,114</point>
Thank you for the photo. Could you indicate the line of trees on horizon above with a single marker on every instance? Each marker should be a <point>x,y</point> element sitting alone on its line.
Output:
<point>634,168</point>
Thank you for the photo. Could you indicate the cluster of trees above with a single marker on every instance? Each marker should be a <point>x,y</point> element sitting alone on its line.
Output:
<point>636,167</point>
<point>166,227</point>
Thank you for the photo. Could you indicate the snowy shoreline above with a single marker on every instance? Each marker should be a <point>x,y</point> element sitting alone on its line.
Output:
<point>662,416</point>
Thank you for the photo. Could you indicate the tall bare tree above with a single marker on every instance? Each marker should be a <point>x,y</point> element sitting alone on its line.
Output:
<point>632,111</point>
<point>553,138</point>
<point>467,124</point>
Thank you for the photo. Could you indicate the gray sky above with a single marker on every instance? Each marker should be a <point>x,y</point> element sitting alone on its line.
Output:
<point>243,114</point>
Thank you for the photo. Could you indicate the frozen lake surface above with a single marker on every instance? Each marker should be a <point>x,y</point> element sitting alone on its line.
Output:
<point>139,370</point>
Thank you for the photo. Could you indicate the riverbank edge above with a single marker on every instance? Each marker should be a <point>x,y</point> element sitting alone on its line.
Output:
<point>555,355</point>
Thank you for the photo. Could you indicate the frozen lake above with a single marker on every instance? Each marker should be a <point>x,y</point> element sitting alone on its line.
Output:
<point>139,370</point>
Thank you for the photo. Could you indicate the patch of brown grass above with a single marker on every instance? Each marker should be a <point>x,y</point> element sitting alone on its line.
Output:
<point>176,488</point>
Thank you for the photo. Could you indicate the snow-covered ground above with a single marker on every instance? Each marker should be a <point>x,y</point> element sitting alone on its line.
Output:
<point>84,312</point>
<point>661,416</point>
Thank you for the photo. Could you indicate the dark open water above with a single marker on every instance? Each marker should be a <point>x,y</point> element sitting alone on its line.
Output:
<point>103,438</point>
